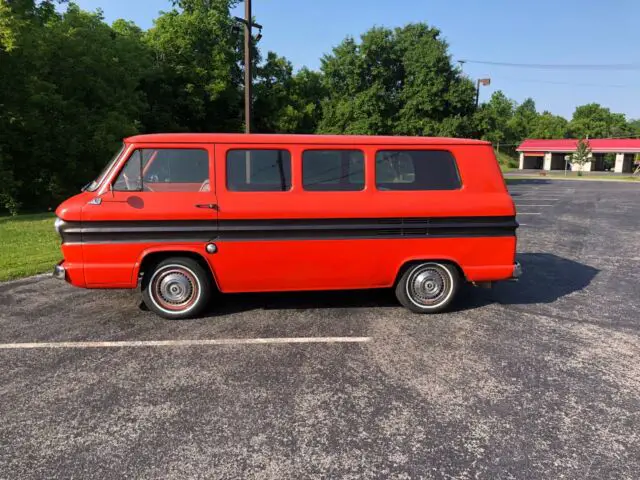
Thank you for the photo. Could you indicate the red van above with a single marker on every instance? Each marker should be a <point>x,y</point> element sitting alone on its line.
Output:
<point>183,215</point>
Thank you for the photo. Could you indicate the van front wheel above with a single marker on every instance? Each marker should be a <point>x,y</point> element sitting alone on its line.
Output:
<point>428,287</point>
<point>176,288</point>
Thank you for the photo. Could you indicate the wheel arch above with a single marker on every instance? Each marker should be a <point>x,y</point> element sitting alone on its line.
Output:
<point>153,256</point>
<point>416,261</point>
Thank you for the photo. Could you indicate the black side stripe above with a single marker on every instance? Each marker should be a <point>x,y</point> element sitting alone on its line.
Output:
<point>288,229</point>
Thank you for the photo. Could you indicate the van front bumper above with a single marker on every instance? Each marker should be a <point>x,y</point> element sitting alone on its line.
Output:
<point>59,272</point>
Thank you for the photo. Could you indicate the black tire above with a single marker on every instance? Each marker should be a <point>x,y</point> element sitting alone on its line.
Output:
<point>177,288</point>
<point>428,287</point>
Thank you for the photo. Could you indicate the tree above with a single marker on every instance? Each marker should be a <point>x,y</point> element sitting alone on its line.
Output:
<point>524,120</point>
<point>494,118</point>
<point>195,82</point>
<point>398,82</point>
<point>595,121</point>
<point>65,107</point>
<point>548,125</point>
<point>582,154</point>
<point>286,102</point>
<point>634,126</point>
<point>307,92</point>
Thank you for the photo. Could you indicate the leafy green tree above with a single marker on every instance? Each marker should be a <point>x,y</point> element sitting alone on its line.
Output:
<point>195,82</point>
<point>307,92</point>
<point>523,121</point>
<point>582,154</point>
<point>397,81</point>
<point>65,106</point>
<point>494,118</point>
<point>284,102</point>
<point>595,121</point>
<point>634,126</point>
<point>550,126</point>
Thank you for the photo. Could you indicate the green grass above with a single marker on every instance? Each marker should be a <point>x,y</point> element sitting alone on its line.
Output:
<point>507,162</point>
<point>28,245</point>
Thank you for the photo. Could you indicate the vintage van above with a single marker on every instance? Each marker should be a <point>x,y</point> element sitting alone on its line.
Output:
<point>185,215</point>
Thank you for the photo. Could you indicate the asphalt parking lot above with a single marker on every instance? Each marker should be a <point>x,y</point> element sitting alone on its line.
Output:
<point>535,379</point>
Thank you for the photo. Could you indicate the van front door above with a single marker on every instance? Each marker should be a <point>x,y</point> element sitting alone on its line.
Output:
<point>163,194</point>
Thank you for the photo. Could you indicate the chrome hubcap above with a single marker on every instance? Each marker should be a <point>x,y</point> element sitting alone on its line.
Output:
<point>175,289</point>
<point>429,285</point>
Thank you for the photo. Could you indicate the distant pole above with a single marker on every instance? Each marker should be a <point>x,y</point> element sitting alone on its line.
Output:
<point>247,66</point>
<point>481,81</point>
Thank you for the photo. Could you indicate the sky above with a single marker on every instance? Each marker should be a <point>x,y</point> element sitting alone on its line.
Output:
<point>567,32</point>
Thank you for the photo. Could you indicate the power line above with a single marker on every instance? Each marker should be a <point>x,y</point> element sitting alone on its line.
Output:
<point>574,84</point>
<point>549,66</point>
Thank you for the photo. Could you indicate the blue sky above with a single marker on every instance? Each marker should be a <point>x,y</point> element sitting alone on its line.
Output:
<point>514,31</point>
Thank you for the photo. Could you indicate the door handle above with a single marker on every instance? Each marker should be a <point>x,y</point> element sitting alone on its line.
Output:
<point>212,206</point>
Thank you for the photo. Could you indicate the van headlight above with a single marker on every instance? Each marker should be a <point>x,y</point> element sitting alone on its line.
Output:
<point>58,224</point>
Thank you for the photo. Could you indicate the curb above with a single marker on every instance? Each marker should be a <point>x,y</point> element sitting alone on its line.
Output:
<point>24,279</point>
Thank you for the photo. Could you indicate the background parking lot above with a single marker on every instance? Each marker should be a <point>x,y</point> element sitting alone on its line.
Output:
<point>535,379</point>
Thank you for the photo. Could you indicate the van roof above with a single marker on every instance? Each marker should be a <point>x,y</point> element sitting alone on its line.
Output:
<point>300,139</point>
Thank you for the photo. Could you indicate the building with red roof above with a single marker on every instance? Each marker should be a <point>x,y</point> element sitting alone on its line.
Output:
<point>543,154</point>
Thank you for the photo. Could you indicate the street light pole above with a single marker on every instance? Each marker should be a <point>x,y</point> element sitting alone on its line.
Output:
<point>247,66</point>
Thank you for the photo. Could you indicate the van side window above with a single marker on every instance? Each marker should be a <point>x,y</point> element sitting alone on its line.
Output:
<point>165,170</point>
<point>416,170</point>
<point>333,170</point>
<point>258,170</point>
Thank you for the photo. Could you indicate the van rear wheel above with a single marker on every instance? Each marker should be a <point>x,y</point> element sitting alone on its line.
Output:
<point>428,287</point>
<point>177,288</point>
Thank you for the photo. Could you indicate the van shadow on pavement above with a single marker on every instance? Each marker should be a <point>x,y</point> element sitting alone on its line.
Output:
<point>546,278</point>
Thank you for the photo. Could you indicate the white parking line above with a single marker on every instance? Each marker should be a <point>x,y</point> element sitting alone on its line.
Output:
<point>184,343</point>
<point>528,213</point>
<point>525,205</point>
<point>555,197</point>
<point>536,199</point>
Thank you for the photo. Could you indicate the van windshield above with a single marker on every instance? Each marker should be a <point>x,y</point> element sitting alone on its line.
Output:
<point>91,187</point>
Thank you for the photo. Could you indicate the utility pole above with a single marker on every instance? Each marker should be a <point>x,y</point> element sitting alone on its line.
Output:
<point>248,76</point>
<point>247,66</point>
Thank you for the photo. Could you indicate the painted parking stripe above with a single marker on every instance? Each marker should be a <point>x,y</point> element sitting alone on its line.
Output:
<point>526,205</point>
<point>183,343</point>
<point>529,213</point>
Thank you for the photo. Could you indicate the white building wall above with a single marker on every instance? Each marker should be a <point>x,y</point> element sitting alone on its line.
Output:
<point>546,165</point>
<point>619,163</point>
<point>585,168</point>
<point>521,160</point>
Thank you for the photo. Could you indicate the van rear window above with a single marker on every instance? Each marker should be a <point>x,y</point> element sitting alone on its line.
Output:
<point>416,170</point>
<point>258,170</point>
<point>333,170</point>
